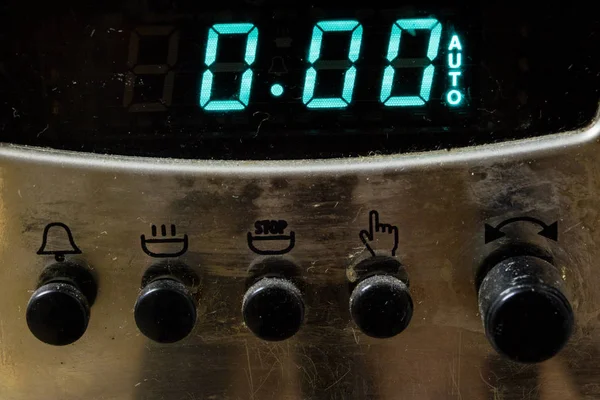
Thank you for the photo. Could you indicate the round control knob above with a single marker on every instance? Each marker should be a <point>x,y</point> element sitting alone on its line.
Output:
<point>165,311</point>
<point>273,309</point>
<point>381,306</point>
<point>58,313</point>
<point>525,313</point>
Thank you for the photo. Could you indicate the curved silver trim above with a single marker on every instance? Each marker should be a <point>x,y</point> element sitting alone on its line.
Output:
<point>504,151</point>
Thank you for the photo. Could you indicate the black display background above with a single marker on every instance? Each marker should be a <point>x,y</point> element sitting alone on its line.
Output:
<point>527,71</point>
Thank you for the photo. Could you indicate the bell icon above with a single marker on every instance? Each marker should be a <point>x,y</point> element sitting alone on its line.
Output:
<point>278,66</point>
<point>58,241</point>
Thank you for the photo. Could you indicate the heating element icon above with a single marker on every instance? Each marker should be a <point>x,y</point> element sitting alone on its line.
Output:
<point>166,245</point>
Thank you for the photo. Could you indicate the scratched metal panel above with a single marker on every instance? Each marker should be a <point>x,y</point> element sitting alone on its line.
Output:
<point>438,201</point>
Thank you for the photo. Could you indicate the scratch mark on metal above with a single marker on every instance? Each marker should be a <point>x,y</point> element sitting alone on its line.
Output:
<point>455,368</point>
<point>314,369</point>
<point>573,227</point>
<point>265,379</point>
<point>354,334</point>
<point>3,358</point>
<point>309,378</point>
<point>275,357</point>
<point>250,380</point>
<point>495,390</point>
<point>339,380</point>
<point>357,214</point>
<point>459,364</point>
<point>260,360</point>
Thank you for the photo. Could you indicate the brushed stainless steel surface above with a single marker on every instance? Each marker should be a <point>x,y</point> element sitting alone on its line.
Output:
<point>439,201</point>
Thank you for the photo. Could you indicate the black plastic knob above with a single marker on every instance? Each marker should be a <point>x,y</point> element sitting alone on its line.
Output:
<point>165,311</point>
<point>381,306</point>
<point>58,313</point>
<point>273,309</point>
<point>526,315</point>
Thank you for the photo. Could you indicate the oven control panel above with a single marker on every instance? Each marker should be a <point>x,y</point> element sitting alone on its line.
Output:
<point>299,200</point>
<point>471,275</point>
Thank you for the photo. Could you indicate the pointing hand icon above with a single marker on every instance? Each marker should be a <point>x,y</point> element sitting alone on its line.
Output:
<point>378,231</point>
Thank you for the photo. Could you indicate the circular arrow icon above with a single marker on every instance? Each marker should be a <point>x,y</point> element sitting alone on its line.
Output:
<point>495,233</point>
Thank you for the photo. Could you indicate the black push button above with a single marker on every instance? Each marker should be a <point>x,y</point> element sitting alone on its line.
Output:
<point>58,313</point>
<point>526,315</point>
<point>165,311</point>
<point>59,310</point>
<point>273,309</point>
<point>381,306</point>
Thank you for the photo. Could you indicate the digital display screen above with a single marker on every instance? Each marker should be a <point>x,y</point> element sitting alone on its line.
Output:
<point>275,80</point>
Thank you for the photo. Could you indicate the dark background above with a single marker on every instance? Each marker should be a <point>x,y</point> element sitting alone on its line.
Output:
<point>527,70</point>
